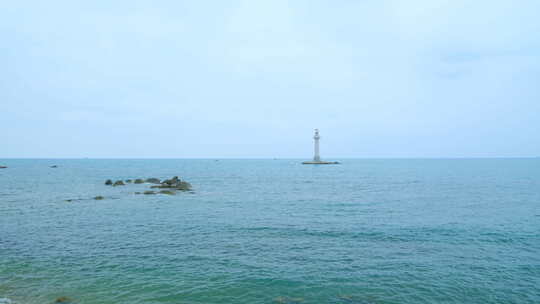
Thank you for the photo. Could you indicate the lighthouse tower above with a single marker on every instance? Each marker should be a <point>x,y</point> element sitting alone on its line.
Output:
<point>317,157</point>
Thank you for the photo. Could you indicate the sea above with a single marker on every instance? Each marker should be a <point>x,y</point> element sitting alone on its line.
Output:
<point>365,231</point>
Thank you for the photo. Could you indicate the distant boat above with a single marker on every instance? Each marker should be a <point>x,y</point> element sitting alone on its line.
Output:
<point>316,157</point>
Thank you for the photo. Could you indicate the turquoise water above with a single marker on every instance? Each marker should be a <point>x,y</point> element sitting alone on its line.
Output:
<point>272,231</point>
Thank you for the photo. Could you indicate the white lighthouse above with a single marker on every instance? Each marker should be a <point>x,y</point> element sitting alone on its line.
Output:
<point>317,157</point>
<point>316,137</point>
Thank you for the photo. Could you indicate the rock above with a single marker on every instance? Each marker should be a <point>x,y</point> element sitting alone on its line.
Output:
<point>63,300</point>
<point>153,180</point>
<point>69,200</point>
<point>183,186</point>
<point>119,183</point>
<point>171,181</point>
<point>149,192</point>
<point>169,192</point>
<point>138,181</point>
<point>99,197</point>
<point>174,183</point>
<point>138,193</point>
<point>108,182</point>
<point>128,181</point>
<point>54,166</point>
<point>3,167</point>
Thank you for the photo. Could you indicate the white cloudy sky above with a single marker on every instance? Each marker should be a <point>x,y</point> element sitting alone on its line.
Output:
<point>430,78</point>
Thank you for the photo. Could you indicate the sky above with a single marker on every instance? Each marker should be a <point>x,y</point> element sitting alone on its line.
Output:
<point>253,78</point>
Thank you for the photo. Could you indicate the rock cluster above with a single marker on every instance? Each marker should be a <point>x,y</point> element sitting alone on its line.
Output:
<point>170,186</point>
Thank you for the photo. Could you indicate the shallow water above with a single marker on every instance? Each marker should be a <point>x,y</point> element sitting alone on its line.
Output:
<point>272,231</point>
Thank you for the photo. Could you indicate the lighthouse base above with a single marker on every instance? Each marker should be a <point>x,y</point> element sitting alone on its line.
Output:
<point>320,163</point>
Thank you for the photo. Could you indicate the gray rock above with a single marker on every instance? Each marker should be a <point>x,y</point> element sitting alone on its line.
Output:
<point>171,181</point>
<point>119,183</point>
<point>153,180</point>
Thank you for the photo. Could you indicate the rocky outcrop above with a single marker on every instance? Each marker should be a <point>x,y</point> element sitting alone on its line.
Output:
<point>153,180</point>
<point>168,186</point>
<point>174,183</point>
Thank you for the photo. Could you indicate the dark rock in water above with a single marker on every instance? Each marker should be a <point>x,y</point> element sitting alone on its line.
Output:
<point>169,192</point>
<point>54,166</point>
<point>119,183</point>
<point>171,181</point>
<point>128,181</point>
<point>149,192</point>
<point>153,180</point>
<point>99,197</point>
<point>69,200</point>
<point>138,193</point>
<point>63,300</point>
<point>184,186</point>
<point>3,167</point>
<point>138,181</point>
<point>108,182</point>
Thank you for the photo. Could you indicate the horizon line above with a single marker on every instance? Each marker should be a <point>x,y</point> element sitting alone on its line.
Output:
<point>265,158</point>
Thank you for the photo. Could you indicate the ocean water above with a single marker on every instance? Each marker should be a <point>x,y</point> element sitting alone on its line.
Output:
<point>272,231</point>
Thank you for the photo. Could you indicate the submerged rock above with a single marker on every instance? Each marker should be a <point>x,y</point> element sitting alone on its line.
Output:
<point>138,181</point>
<point>153,180</point>
<point>119,183</point>
<point>63,300</point>
<point>54,166</point>
<point>149,192</point>
<point>169,192</point>
<point>108,182</point>
<point>99,197</point>
<point>128,181</point>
